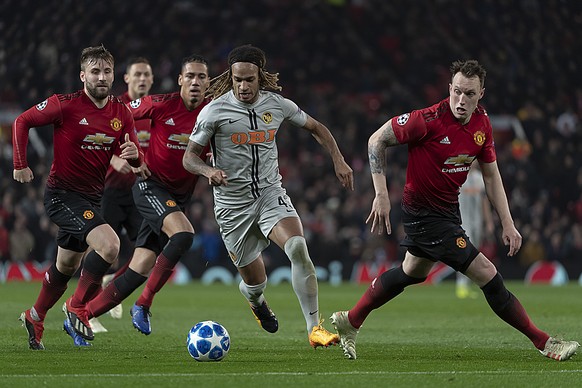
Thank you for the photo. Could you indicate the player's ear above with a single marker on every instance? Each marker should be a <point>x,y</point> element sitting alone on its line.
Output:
<point>482,93</point>
<point>180,80</point>
<point>126,78</point>
<point>82,76</point>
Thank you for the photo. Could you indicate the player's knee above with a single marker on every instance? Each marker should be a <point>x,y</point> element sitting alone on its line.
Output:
<point>182,241</point>
<point>296,250</point>
<point>110,250</point>
<point>496,294</point>
<point>142,261</point>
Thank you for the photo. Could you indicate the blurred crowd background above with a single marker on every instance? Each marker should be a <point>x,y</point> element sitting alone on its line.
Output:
<point>350,64</point>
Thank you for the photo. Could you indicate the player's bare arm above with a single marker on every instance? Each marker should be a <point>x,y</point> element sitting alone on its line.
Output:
<point>194,164</point>
<point>380,213</point>
<point>380,140</point>
<point>322,134</point>
<point>496,194</point>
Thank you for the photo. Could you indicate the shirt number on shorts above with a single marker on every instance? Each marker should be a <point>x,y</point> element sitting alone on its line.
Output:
<point>283,202</point>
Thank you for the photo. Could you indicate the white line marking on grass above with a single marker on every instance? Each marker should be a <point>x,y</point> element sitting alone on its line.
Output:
<point>352,373</point>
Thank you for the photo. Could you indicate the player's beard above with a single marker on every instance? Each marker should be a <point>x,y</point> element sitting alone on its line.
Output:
<point>97,92</point>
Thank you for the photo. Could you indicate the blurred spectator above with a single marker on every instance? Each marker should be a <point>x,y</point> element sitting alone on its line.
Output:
<point>21,240</point>
<point>4,242</point>
<point>533,249</point>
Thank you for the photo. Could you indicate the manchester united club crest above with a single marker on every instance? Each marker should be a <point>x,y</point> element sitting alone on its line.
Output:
<point>88,215</point>
<point>115,124</point>
<point>479,138</point>
<point>267,117</point>
<point>170,203</point>
<point>461,243</point>
<point>403,119</point>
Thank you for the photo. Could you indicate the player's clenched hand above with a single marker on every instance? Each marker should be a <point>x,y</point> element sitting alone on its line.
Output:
<point>143,171</point>
<point>129,150</point>
<point>380,215</point>
<point>23,176</point>
<point>217,178</point>
<point>512,238</point>
<point>345,174</point>
<point>120,165</point>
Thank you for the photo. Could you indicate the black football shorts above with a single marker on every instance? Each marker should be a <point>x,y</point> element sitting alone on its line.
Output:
<point>74,214</point>
<point>154,203</point>
<point>438,239</point>
<point>119,210</point>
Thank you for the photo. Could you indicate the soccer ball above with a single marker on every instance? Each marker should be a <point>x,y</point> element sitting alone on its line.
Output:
<point>208,341</point>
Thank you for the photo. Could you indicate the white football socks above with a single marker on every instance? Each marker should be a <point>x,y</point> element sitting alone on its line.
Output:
<point>254,294</point>
<point>303,279</point>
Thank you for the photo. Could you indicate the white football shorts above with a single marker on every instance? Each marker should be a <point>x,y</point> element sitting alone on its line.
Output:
<point>245,230</point>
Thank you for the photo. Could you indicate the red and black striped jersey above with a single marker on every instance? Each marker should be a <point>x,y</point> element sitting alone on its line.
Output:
<point>171,126</point>
<point>85,138</point>
<point>440,153</point>
<point>120,181</point>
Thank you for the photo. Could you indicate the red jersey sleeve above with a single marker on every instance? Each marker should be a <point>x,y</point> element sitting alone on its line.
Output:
<point>45,113</point>
<point>409,127</point>
<point>488,154</point>
<point>141,108</point>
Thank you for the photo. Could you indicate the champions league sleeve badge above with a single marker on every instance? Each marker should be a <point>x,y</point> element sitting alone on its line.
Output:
<point>135,103</point>
<point>403,119</point>
<point>42,105</point>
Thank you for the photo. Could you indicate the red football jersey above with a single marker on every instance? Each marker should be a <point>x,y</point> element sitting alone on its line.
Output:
<point>85,138</point>
<point>440,153</point>
<point>117,180</point>
<point>171,127</point>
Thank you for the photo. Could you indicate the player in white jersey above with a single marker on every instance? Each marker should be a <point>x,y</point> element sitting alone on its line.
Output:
<point>251,206</point>
<point>476,215</point>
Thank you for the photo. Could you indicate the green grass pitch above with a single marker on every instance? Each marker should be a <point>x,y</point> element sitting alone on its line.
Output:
<point>424,338</point>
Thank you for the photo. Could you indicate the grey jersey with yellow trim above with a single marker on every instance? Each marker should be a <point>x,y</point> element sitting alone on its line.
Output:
<point>243,142</point>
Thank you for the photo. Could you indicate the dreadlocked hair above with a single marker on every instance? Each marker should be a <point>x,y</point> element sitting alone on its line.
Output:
<point>247,53</point>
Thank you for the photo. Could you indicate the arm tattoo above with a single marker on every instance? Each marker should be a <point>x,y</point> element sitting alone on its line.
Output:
<point>377,150</point>
<point>376,155</point>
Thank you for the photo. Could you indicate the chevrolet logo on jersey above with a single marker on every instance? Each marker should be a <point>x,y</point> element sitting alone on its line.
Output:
<point>143,136</point>
<point>181,138</point>
<point>97,141</point>
<point>461,163</point>
<point>460,160</point>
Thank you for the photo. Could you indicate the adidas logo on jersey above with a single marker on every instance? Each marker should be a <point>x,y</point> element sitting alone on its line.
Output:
<point>83,121</point>
<point>445,140</point>
<point>170,121</point>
